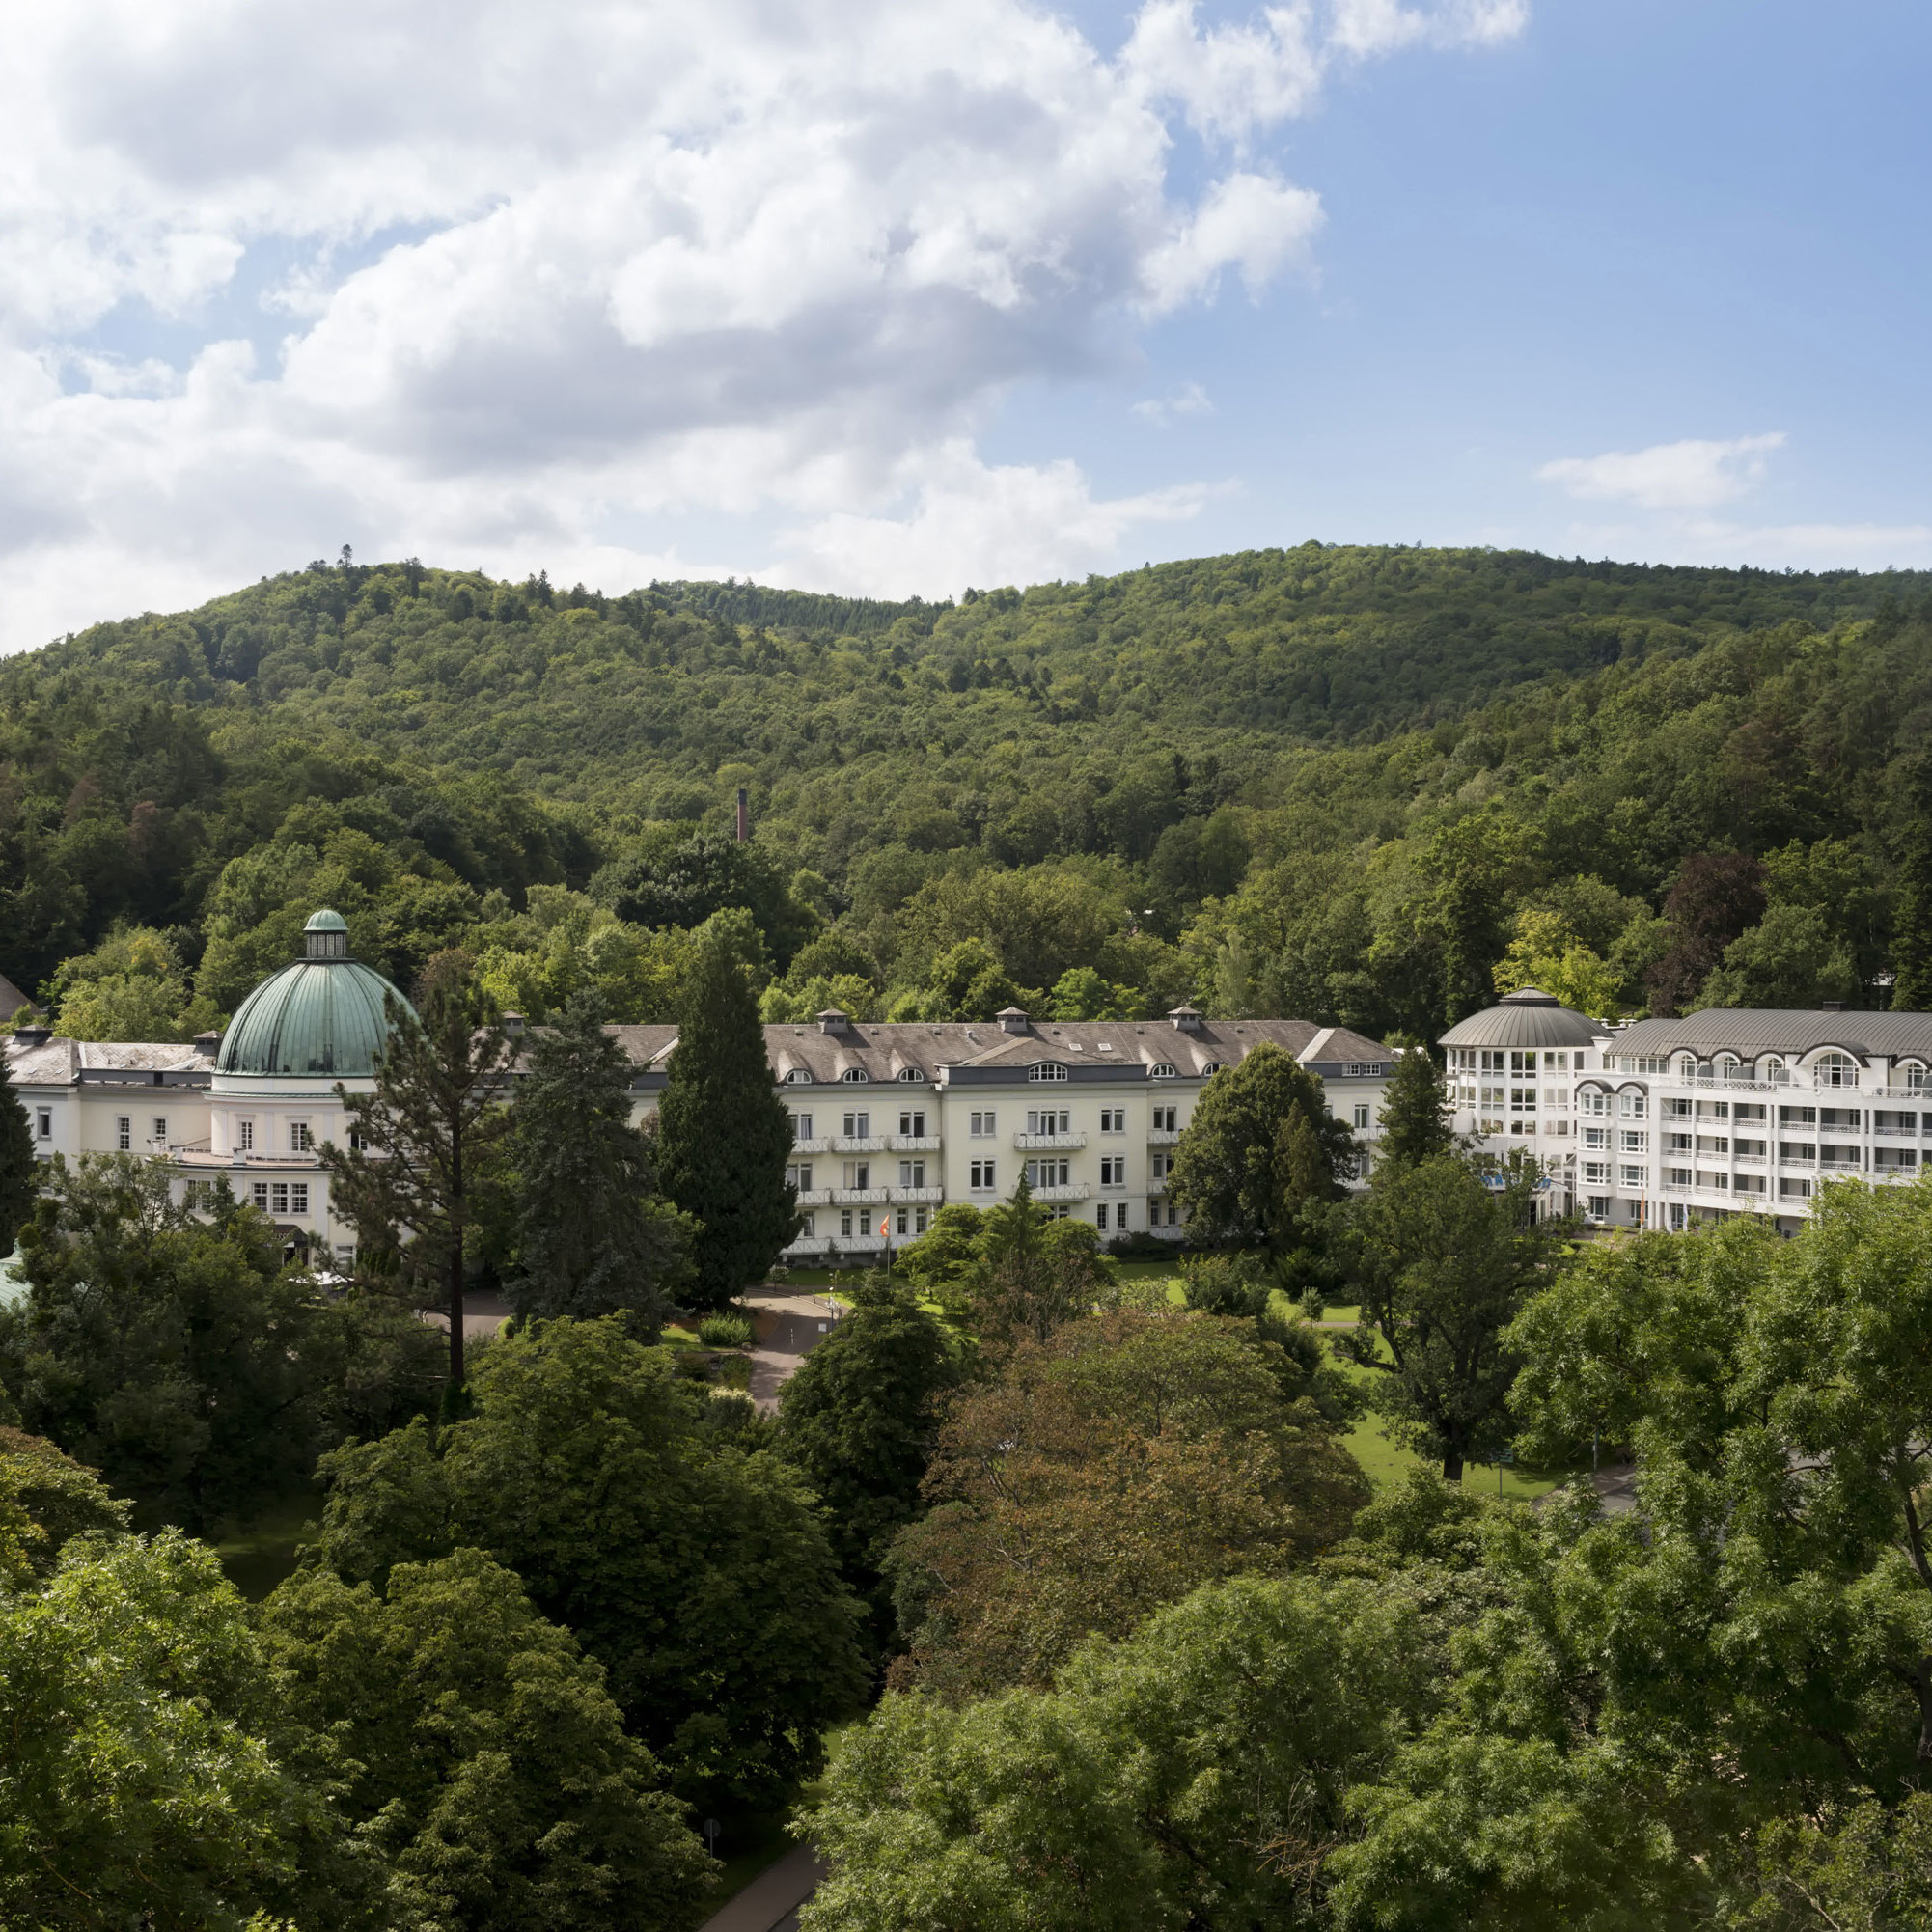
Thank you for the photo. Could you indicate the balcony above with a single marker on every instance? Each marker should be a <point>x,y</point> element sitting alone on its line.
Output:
<point>821,1146</point>
<point>1841,1166</point>
<point>1897,1133</point>
<point>857,1144</point>
<point>1046,1143</point>
<point>921,1194</point>
<point>814,1197</point>
<point>1922,1095</point>
<point>1163,1137</point>
<point>1077,1190</point>
<point>860,1197</point>
<point>913,1143</point>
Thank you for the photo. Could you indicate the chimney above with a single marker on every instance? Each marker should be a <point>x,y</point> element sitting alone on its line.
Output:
<point>1185,1019</point>
<point>512,1025</point>
<point>207,1045</point>
<point>744,817</point>
<point>1833,1007</point>
<point>1011,1019</point>
<point>33,1035</point>
<point>831,1020</point>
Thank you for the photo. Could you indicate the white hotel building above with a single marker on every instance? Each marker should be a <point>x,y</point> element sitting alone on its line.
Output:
<point>889,1122</point>
<point>1666,1123</point>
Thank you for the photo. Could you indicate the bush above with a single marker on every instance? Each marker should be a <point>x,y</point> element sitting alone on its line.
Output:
<point>725,1331</point>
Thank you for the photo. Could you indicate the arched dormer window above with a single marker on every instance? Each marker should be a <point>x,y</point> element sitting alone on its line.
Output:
<point>1773,1069</point>
<point>1213,1067</point>
<point>1046,1069</point>
<point>854,1075</point>
<point>912,1073</point>
<point>1687,1066</point>
<point>1914,1076</point>
<point>1836,1069</point>
<point>798,1077</point>
<point>1727,1067</point>
<point>1163,1070</point>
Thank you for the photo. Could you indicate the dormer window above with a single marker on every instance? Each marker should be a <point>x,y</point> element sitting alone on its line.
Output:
<point>1046,1069</point>
<point>1163,1070</point>
<point>912,1073</point>
<point>1212,1066</point>
<point>854,1075</point>
<point>798,1077</point>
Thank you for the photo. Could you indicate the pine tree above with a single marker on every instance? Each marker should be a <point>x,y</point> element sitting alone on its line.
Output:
<point>419,1140</point>
<point>725,1136</point>
<point>1416,1110</point>
<point>1911,943</point>
<point>593,1236</point>
<point>19,1182</point>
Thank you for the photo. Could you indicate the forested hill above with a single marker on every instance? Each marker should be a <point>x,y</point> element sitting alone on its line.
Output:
<point>1332,781</point>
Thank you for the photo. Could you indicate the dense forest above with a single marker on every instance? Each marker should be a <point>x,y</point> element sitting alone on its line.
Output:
<point>1365,786</point>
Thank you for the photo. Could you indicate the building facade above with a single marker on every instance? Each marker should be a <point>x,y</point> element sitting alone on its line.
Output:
<point>1673,1123</point>
<point>890,1121</point>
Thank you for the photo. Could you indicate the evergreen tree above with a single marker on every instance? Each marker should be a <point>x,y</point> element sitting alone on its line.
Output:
<point>1912,943</point>
<point>18,1181</point>
<point>417,1143</point>
<point>592,1237</point>
<point>724,1135</point>
<point>1416,1109</point>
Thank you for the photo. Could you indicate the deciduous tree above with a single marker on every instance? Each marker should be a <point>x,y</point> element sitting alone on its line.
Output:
<point>19,1175</point>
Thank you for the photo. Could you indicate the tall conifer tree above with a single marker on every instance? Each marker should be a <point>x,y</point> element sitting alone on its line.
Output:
<point>725,1134</point>
<point>592,1237</point>
<point>1912,943</point>
<point>18,1182</point>
<point>1416,1110</point>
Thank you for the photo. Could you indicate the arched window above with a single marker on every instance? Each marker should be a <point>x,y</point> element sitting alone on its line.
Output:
<point>1046,1069</point>
<point>912,1073</point>
<point>1727,1067</point>
<point>1772,1068</point>
<point>854,1075</point>
<point>1914,1076</point>
<point>798,1077</point>
<point>1836,1069</point>
<point>1161,1071</point>
<point>1687,1066</point>
<point>1213,1067</point>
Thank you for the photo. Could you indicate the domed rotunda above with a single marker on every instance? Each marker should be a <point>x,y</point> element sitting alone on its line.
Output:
<point>321,1015</point>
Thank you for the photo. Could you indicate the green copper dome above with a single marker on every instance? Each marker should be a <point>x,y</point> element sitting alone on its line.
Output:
<point>323,1014</point>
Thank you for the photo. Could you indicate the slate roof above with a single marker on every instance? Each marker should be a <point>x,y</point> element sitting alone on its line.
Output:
<point>1750,1031</point>
<point>1528,1018</point>
<point>59,1063</point>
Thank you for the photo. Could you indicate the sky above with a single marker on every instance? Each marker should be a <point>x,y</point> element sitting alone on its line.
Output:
<point>890,299</point>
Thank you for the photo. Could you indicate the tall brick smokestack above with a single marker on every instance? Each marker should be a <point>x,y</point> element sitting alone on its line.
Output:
<point>744,817</point>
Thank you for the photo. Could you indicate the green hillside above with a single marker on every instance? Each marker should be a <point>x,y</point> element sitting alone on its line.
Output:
<point>1334,781</point>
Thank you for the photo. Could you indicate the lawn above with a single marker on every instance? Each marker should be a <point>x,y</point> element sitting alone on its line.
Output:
<point>258,1558</point>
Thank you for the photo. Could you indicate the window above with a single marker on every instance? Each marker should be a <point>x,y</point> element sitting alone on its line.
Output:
<point>1797,1116</point>
<point>1165,1118</point>
<point>160,1130</point>
<point>857,1175</point>
<point>1158,1166</point>
<point>981,1125</point>
<point>912,1125</point>
<point>921,1220</point>
<point>299,1142</point>
<point>44,1123</point>
<point>905,1222</point>
<point>1100,1217</point>
<point>1774,1072</point>
<point>809,1227</point>
<point>1113,1172</point>
<point>1746,1183</point>
<point>280,1192</point>
<point>1560,1062</point>
<point>1046,1121</point>
<point>1677,1144</point>
<point>1679,1110</point>
<point>1678,1177</point>
<point>298,1196</point>
<point>980,1176</point>
<point>1363,1070</point>
<point>124,1133</point>
<point>1161,1070</point>
<point>357,1141</point>
<point>857,1127</point>
<point>911,1073</point>
<point>1914,1078</point>
<point>1597,1172</point>
<point>855,1075</point>
<point>1046,1069</point>
<point>1596,1137</point>
<point>1522,1099</point>
<point>1597,1207</point>
<point>1362,1116</point>
<point>1047,1174</point>
<point>1727,1066</point>
<point>844,1221</point>
<point>1797,1150</point>
<point>799,1176</point>
<point>260,1194</point>
<point>244,1135</point>
<point>1521,1062</point>
<point>1632,1106</point>
<point>801,1126</point>
<point>1720,1182</point>
<point>1495,1063</point>
<point>911,1173</point>
<point>1631,1176</point>
<point>1590,1101</point>
<point>1794,1187</point>
<point>1212,1067</point>
<point>799,1077</point>
<point>1687,1066</point>
<point>1837,1070</point>
<point>1633,1141</point>
<point>1113,1119</point>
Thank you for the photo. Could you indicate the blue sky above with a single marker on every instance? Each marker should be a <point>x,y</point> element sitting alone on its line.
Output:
<point>864,297</point>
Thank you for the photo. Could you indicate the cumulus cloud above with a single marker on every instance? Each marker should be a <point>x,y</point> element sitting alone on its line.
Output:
<point>503,284</point>
<point>1690,475</point>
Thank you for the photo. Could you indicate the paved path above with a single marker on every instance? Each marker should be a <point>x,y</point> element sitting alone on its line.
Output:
<point>787,1326</point>
<point>770,1902</point>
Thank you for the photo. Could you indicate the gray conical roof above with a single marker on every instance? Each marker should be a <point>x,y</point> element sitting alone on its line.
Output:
<point>1528,1018</point>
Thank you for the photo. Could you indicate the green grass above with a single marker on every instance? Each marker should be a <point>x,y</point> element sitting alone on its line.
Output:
<point>258,1558</point>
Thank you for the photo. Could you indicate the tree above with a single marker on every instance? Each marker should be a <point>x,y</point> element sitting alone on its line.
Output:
<point>697,1572</point>
<point>1475,864</point>
<point>1032,1272</point>
<point>418,1144</point>
<point>724,1134</point>
<point>130,987</point>
<point>1547,954</point>
<point>142,1776</point>
<point>1260,1151</point>
<point>182,1357</point>
<point>1789,958</point>
<point>1718,896</point>
<point>1109,1469</point>
<point>1446,1255</point>
<point>860,1418</point>
<point>1416,1110</point>
<point>47,1500</point>
<point>1911,943</point>
<point>483,1752</point>
<point>1196,1773</point>
<point>19,1170</point>
<point>592,1236</point>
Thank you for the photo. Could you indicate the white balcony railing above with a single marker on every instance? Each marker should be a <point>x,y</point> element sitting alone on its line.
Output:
<point>914,1144</point>
<point>1077,1190</point>
<point>819,1145</point>
<point>1163,1137</point>
<point>917,1194</point>
<point>1841,1166</point>
<point>860,1197</point>
<point>1040,1142</point>
<point>857,1144</point>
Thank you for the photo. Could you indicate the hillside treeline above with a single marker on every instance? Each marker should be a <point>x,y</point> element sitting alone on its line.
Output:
<point>1357,784</point>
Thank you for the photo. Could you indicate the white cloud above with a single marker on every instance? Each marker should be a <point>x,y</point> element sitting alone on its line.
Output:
<point>1188,400</point>
<point>1691,475</point>
<point>502,284</point>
